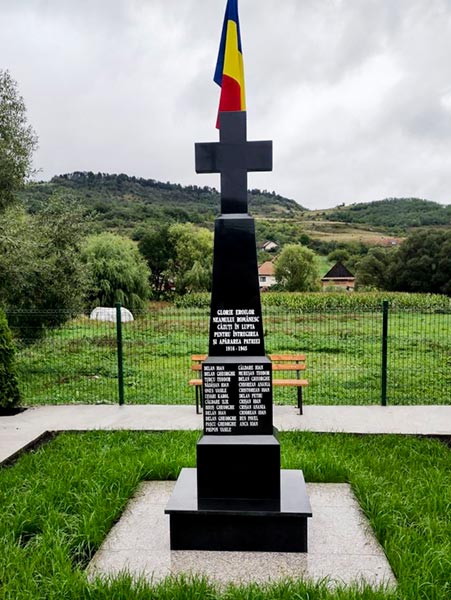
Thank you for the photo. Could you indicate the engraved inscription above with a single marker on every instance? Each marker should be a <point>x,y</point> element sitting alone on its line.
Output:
<point>254,381</point>
<point>237,398</point>
<point>236,330</point>
<point>219,410</point>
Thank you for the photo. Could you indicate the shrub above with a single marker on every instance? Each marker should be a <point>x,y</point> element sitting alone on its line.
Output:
<point>9,390</point>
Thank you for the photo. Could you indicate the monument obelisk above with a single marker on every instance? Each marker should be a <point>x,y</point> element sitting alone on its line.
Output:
<point>238,498</point>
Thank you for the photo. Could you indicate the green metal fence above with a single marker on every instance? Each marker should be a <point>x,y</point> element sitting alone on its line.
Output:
<point>352,357</point>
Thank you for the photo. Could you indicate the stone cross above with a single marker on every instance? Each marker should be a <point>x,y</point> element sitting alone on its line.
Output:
<point>238,499</point>
<point>233,157</point>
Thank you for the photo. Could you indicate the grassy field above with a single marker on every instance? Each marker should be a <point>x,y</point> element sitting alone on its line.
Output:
<point>78,362</point>
<point>338,231</point>
<point>59,502</point>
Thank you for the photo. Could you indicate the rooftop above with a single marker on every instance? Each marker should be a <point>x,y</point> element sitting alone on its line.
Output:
<point>339,271</point>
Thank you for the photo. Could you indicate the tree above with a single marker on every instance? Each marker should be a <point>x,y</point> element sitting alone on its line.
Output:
<point>338,255</point>
<point>41,273</point>
<point>422,264</point>
<point>158,250</point>
<point>191,267</point>
<point>59,231</point>
<point>296,269</point>
<point>373,270</point>
<point>17,140</point>
<point>198,278</point>
<point>116,272</point>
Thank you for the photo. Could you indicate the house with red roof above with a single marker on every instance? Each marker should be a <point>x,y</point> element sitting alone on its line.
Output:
<point>266,275</point>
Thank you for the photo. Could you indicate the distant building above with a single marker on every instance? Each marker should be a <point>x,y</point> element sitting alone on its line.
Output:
<point>339,277</point>
<point>266,275</point>
<point>269,246</point>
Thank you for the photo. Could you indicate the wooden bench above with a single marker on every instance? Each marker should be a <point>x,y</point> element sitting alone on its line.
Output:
<point>288,363</point>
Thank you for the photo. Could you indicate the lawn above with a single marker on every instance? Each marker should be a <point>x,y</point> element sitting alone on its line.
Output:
<point>59,502</point>
<point>78,362</point>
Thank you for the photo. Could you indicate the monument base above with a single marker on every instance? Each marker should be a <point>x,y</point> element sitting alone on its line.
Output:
<point>284,530</point>
<point>238,472</point>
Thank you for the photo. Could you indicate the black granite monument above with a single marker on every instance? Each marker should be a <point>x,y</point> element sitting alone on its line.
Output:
<point>238,498</point>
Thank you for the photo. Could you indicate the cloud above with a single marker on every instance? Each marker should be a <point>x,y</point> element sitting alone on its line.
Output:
<point>355,94</point>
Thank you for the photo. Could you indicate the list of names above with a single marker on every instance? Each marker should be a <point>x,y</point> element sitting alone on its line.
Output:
<point>254,383</point>
<point>237,398</point>
<point>220,414</point>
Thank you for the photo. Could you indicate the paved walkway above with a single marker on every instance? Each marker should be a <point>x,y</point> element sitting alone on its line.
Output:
<point>22,430</point>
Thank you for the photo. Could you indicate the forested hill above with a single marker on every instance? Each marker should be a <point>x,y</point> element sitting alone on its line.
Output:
<point>399,213</point>
<point>122,202</point>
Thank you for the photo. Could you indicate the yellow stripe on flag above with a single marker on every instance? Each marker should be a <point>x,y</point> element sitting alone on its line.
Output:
<point>243,95</point>
<point>233,60</point>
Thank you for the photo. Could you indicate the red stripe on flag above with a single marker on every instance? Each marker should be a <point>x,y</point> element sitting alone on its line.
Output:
<point>230,96</point>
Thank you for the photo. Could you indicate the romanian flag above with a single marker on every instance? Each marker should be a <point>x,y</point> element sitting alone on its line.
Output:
<point>229,73</point>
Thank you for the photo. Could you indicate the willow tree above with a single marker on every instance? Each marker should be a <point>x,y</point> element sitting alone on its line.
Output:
<point>116,272</point>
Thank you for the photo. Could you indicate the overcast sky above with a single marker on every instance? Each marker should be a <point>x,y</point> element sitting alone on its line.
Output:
<point>355,94</point>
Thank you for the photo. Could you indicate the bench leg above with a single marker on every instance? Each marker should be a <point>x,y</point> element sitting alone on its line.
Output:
<point>197,399</point>
<point>300,400</point>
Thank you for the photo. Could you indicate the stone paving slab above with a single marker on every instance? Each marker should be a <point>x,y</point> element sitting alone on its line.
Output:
<point>422,420</point>
<point>85,417</point>
<point>342,547</point>
<point>407,420</point>
<point>14,441</point>
<point>18,431</point>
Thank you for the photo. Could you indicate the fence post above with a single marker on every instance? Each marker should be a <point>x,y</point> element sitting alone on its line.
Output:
<point>120,359</point>
<point>384,352</point>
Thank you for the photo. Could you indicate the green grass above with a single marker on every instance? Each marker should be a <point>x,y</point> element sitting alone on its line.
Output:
<point>78,362</point>
<point>58,503</point>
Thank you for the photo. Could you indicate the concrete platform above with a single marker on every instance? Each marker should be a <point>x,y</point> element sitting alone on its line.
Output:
<point>17,432</point>
<point>342,547</point>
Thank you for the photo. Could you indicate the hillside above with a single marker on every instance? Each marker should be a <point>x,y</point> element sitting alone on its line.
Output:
<point>123,202</point>
<point>338,231</point>
<point>399,214</point>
